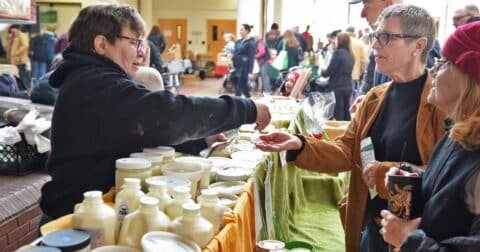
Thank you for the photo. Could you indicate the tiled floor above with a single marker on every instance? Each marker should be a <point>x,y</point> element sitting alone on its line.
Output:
<point>211,87</point>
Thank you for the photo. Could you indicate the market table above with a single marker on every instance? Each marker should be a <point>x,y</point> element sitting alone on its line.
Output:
<point>296,204</point>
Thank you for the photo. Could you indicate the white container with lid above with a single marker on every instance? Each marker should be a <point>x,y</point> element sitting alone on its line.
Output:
<point>145,219</point>
<point>155,158</point>
<point>132,168</point>
<point>192,225</point>
<point>165,241</point>
<point>181,195</point>
<point>158,189</point>
<point>171,181</point>
<point>188,170</point>
<point>167,152</point>
<point>115,248</point>
<point>233,173</point>
<point>127,200</point>
<point>97,218</point>
<point>211,209</point>
<point>207,168</point>
<point>68,240</point>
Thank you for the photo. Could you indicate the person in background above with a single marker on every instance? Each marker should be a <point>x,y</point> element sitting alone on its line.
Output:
<point>42,51</point>
<point>101,115</point>
<point>229,47</point>
<point>264,59</point>
<point>401,49</point>
<point>243,61</point>
<point>308,38</point>
<point>473,11</point>
<point>451,185</point>
<point>292,45</point>
<point>62,43</point>
<point>339,73</point>
<point>360,51</point>
<point>272,36</point>
<point>17,53</point>
<point>290,81</point>
<point>460,17</point>
<point>157,38</point>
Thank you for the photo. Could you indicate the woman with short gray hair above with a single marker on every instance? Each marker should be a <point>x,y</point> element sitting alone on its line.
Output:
<point>396,117</point>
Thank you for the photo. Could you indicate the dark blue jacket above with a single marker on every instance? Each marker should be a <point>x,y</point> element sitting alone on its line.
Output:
<point>101,115</point>
<point>244,56</point>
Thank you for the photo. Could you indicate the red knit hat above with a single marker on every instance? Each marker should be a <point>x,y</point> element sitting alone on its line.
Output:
<point>463,49</point>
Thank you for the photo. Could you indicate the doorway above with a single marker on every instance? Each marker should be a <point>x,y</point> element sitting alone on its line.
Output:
<point>215,30</point>
<point>175,32</point>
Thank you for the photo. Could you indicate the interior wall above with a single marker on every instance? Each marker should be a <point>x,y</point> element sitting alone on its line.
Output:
<point>197,13</point>
<point>66,13</point>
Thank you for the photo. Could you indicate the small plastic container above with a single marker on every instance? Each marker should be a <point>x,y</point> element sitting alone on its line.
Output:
<point>207,168</point>
<point>192,225</point>
<point>211,209</point>
<point>269,245</point>
<point>167,152</point>
<point>68,240</point>
<point>158,189</point>
<point>171,181</point>
<point>166,241</point>
<point>233,173</point>
<point>132,168</point>
<point>181,195</point>
<point>188,170</point>
<point>155,158</point>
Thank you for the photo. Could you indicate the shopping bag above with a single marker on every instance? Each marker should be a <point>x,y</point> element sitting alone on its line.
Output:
<point>281,61</point>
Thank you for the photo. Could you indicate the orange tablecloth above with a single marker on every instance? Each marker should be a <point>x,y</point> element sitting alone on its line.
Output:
<point>238,233</point>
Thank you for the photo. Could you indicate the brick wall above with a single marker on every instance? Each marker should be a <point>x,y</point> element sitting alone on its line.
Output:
<point>20,229</point>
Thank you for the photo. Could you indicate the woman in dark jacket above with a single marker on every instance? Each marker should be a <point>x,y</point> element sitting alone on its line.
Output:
<point>451,183</point>
<point>339,72</point>
<point>243,61</point>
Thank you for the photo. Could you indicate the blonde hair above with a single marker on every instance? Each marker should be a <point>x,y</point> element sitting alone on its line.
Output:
<point>289,38</point>
<point>466,113</point>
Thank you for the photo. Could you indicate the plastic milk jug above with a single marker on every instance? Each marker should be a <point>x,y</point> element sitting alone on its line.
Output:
<point>192,225</point>
<point>127,200</point>
<point>158,189</point>
<point>211,210</point>
<point>97,218</point>
<point>181,195</point>
<point>145,219</point>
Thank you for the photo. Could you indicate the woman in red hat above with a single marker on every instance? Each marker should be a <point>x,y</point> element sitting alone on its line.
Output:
<point>451,184</point>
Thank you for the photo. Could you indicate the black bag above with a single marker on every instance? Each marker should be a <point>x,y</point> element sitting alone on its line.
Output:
<point>21,158</point>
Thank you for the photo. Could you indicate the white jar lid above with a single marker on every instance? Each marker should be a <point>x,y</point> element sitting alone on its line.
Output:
<point>152,157</point>
<point>148,201</point>
<point>166,151</point>
<point>92,194</point>
<point>132,163</point>
<point>181,191</point>
<point>233,173</point>
<point>190,208</point>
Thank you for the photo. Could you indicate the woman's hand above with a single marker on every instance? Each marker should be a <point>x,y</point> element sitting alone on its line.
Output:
<point>215,138</point>
<point>369,173</point>
<point>394,230</point>
<point>279,141</point>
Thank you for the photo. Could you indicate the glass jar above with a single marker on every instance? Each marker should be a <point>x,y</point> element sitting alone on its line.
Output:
<point>132,168</point>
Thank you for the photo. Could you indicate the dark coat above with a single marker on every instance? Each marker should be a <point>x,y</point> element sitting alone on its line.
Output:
<point>244,56</point>
<point>447,223</point>
<point>339,70</point>
<point>102,115</point>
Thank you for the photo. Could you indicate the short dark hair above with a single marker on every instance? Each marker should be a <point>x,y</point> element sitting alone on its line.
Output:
<point>106,20</point>
<point>247,27</point>
<point>274,26</point>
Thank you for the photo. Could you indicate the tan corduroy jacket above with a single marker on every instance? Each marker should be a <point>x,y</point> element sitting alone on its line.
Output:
<point>343,153</point>
<point>19,50</point>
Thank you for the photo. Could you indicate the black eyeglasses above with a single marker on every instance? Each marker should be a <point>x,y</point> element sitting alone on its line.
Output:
<point>384,38</point>
<point>138,43</point>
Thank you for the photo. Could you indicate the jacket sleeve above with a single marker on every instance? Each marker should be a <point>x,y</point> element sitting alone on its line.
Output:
<point>153,118</point>
<point>251,56</point>
<point>418,241</point>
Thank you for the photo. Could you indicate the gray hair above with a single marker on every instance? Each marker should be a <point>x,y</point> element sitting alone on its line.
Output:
<point>414,21</point>
<point>472,9</point>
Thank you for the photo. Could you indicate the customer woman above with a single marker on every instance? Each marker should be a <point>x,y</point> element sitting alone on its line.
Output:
<point>293,48</point>
<point>393,115</point>
<point>339,71</point>
<point>243,58</point>
<point>451,184</point>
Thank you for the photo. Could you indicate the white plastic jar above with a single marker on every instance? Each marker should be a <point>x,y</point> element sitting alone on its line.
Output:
<point>132,168</point>
<point>167,152</point>
<point>155,158</point>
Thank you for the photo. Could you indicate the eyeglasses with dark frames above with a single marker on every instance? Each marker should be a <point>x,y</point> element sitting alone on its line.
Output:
<point>384,38</point>
<point>138,43</point>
